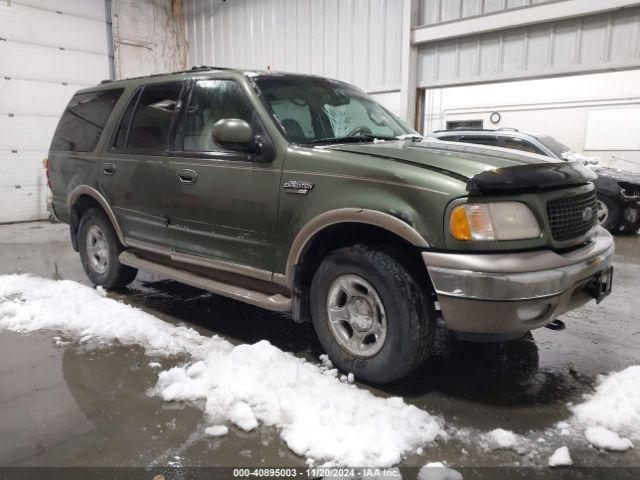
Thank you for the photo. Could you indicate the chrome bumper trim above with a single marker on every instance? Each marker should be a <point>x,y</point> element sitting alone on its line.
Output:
<point>517,276</point>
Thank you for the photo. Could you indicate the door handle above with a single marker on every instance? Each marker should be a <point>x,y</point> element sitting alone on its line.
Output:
<point>109,169</point>
<point>187,176</point>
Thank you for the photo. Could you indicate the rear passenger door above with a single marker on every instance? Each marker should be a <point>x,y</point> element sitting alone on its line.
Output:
<point>131,174</point>
<point>222,204</point>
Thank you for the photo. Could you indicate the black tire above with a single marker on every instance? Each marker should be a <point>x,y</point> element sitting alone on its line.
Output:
<point>614,213</point>
<point>115,274</point>
<point>410,318</point>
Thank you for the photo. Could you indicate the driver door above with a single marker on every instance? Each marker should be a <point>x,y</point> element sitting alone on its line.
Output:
<point>222,204</point>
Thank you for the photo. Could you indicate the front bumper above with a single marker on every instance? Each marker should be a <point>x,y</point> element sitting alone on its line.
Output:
<point>515,292</point>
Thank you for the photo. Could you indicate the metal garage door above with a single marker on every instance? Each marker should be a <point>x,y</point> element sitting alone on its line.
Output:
<point>48,50</point>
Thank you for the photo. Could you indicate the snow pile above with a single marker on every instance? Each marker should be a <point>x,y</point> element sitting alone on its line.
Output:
<point>615,405</point>
<point>572,156</point>
<point>605,439</point>
<point>317,415</point>
<point>500,439</point>
<point>560,458</point>
<point>438,471</point>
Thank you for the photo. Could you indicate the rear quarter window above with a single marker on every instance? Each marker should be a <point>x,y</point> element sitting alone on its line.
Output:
<point>84,120</point>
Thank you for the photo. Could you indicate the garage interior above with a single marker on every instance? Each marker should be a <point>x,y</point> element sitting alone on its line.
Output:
<point>569,69</point>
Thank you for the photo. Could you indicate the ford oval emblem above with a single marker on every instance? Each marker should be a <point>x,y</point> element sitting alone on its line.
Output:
<point>587,214</point>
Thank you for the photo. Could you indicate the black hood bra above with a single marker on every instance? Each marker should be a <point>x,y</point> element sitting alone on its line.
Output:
<point>531,178</point>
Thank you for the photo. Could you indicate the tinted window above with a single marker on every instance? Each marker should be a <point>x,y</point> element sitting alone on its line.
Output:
<point>121,136</point>
<point>212,101</point>
<point>554,145</point>
<point>151,121</point>
<point>83,121</point>
<point>479,139</point>
<point>464,124</point>
<point>523,145</point>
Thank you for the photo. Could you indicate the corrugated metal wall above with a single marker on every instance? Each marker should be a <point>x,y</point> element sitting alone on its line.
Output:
<point>433,12</point>
<point>358,41</point>
<point>587,44</point>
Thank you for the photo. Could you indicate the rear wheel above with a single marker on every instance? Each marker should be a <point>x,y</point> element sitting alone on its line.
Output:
<point>370,315</point>
<point>99,249</point>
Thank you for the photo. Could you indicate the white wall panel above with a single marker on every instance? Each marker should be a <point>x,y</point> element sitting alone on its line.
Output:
<point>44,27</point>
<point>27,97</point>
<point>599,42</point>
<point>48,51</point>
<point>23,169</point>
<point>358,41</point>
<point>613,129</point>
<point>28,61</point>
<point>26,132</point>
<point>23,204</point>
<point>95,10</point>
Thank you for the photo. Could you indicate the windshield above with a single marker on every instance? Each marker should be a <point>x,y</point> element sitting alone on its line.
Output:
<point>554,145</point>
<point>316,110</point>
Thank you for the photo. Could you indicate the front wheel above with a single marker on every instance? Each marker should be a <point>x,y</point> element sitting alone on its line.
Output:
<point>370,315</point>
<point>99,249</point>
<point>609,212</point>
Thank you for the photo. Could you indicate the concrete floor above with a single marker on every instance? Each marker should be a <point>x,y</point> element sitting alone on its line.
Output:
<point>71,407</point>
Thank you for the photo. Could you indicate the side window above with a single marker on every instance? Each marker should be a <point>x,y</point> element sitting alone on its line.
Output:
<point>212,101</point>
<point>84,120</point>
<point>450,138</point>
<point>149,129</point>
<point>480,139</point>
<point>523,145</point>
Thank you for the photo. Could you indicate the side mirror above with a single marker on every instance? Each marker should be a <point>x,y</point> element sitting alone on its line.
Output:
<point>234,134</point>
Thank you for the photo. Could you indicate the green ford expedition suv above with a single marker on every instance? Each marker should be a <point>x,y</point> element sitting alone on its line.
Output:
<point>301,194</point>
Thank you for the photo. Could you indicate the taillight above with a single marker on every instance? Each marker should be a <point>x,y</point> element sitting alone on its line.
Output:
<point>45,162</point>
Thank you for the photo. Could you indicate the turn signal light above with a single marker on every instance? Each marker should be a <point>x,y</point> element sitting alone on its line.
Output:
<point>459,224</point>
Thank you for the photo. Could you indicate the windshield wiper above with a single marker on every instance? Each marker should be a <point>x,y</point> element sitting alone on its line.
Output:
<point>351,139</point>
<point>410,136</point>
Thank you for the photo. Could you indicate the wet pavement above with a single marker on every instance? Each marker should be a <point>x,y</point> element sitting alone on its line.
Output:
<point>69,406</point>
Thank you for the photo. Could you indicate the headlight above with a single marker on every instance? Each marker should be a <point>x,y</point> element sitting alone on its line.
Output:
<point>493,221</point>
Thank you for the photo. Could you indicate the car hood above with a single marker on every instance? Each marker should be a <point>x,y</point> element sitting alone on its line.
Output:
<point>484,169</point>
<point>618,175</point>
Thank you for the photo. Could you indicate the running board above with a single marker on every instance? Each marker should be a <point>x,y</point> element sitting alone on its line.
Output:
<point>277,302</point>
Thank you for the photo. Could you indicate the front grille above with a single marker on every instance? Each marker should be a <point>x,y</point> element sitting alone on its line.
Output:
<point>567,216</point>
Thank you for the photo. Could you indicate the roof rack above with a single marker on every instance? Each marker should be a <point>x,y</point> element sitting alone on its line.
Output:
<point>469,129</point>
<point>199,68</point>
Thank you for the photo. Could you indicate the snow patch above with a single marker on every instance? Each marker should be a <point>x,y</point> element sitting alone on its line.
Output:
<point>560,458</point>
<point>317,415</point>
<point>155,365</point>
<point>605,439</point>
<point>500,439</point>
<point>615,404</point>
<point>216,431</point>
<point>438,471</point>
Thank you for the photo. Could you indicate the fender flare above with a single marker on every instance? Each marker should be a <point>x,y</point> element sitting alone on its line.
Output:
<point>348,215</point>
<point>80,190</point>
